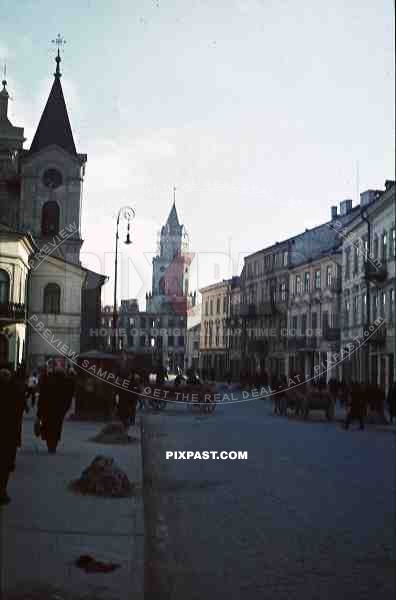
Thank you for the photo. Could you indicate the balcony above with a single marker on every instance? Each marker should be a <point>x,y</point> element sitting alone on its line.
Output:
<point>331,334</point>
<point>248,311</point>
<point>258,346</point>
<point>375,273</point>
<point>302,342</point>
<point>377,337</point>
<point>12,312</point>
<point>334,284</point>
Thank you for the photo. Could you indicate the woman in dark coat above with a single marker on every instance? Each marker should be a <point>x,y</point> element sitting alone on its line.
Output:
<point>11,400</point>
<point>56,392</point>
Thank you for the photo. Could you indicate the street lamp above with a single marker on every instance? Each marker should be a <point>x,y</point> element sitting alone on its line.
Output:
<point>127,214</point>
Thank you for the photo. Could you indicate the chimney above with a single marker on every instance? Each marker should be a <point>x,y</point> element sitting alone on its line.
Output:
<point>368,197</point>
<point>345,207</point>
<point>333,212</point>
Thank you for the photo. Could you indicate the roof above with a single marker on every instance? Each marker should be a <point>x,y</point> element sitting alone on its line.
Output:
<point>54,126</point>
<point>173,218</point>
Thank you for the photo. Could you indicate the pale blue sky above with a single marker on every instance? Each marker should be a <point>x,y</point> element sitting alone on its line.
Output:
<point>258,111</point>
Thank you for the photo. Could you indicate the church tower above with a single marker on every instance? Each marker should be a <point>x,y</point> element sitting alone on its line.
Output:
<point>52,177</point>
<point>170,269</point>
<point>11,143</point>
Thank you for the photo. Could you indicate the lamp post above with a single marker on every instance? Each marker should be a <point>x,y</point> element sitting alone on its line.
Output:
<point>127,213</point>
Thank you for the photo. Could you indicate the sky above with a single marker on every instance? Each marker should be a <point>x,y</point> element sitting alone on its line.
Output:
<point>262,113</point>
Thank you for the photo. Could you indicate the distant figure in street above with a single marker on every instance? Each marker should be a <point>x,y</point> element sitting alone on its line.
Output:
<point>391,400</point>
<point>11,398</point>
<point>358,406</point>
<point>127,401</point>
<point>31,388</point>
<point>56,392</point>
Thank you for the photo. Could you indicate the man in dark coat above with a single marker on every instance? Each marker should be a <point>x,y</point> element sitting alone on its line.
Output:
<point>56,391</point>
<point>127,401</point>
<point>391,400</point>
<point>11,400</point>
<point>358,406</point>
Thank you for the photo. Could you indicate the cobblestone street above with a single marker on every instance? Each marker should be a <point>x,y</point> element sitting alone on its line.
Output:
<point>310,514</point>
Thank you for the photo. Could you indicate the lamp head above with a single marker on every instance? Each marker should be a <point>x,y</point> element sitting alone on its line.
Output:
<point>128,240</point>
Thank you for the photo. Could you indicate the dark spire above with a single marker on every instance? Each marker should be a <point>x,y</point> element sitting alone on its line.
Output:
<point>4,95</point>
<point>54,126</point>
<point>173,218</point>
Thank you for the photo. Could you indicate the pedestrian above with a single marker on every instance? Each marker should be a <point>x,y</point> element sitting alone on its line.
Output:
<point>358,406</point>
<point>11,397</point>
<point>56,391</point>
<point>391,400</point>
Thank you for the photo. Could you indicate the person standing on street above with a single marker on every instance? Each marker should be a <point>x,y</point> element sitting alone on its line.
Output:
<point>56,393</point>
<point>358,406</point>
<point>11,398</point>
<point>391,400</point>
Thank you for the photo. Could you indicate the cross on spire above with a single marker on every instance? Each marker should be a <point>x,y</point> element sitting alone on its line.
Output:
<point>59,42</point>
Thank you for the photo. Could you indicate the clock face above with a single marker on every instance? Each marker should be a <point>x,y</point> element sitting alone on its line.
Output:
<point>52,178</point>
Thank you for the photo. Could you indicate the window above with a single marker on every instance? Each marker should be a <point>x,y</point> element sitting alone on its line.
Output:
<point>142,322</point>
<point>283,292</point>
<point>131,322</point>
<point>211,307</point>
<point>298,284</point>
<point>314,320</point>
<point>392,245</point>
<point>285,258</point>
<point>206,307</point>
<point>383,305</point>
<point>329,276</point>
<point>294,324</point>
<point>218,304</point>
<point>131,340</point>
<point>355,308</point>
<point>52,298</point>
<point>224,304</point>
<point>365,247</point>
<point>348,263</point>
<point>375,247</point>
<point>391,304</point>
<point>317,280</point>
<point>347,308</point>
<point>217,336</point>
<point>180,341</point>
<point>375,305</point>
<point>50,218</point>
<point>306,282</point>
<point>325,321</point>
<point>171,341</point>
<point>364,307</point>
<point>355,260</point>
<point>303,324</point>
<point>4,287</point>
<point>384,243</point>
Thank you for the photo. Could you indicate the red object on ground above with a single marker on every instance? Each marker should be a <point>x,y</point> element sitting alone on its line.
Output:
<point>90,565</point>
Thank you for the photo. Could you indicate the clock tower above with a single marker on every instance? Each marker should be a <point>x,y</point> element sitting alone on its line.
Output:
<point>52,175</point>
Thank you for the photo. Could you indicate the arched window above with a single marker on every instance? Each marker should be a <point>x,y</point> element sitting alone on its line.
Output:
<point>4,287</point>
<point>50,218</point>
<point>52,298</point>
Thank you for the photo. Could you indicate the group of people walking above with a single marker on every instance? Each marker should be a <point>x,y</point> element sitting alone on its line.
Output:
<point>54,390</point>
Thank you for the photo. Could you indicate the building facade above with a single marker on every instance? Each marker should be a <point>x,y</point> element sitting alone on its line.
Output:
<point>41,192</point>
<point>15,252</point>
<point>368,289</point>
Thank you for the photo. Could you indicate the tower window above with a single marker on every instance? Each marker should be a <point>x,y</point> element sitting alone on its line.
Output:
<point>4,287</point>
<point>50,218</point>
<point>52,298</point>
